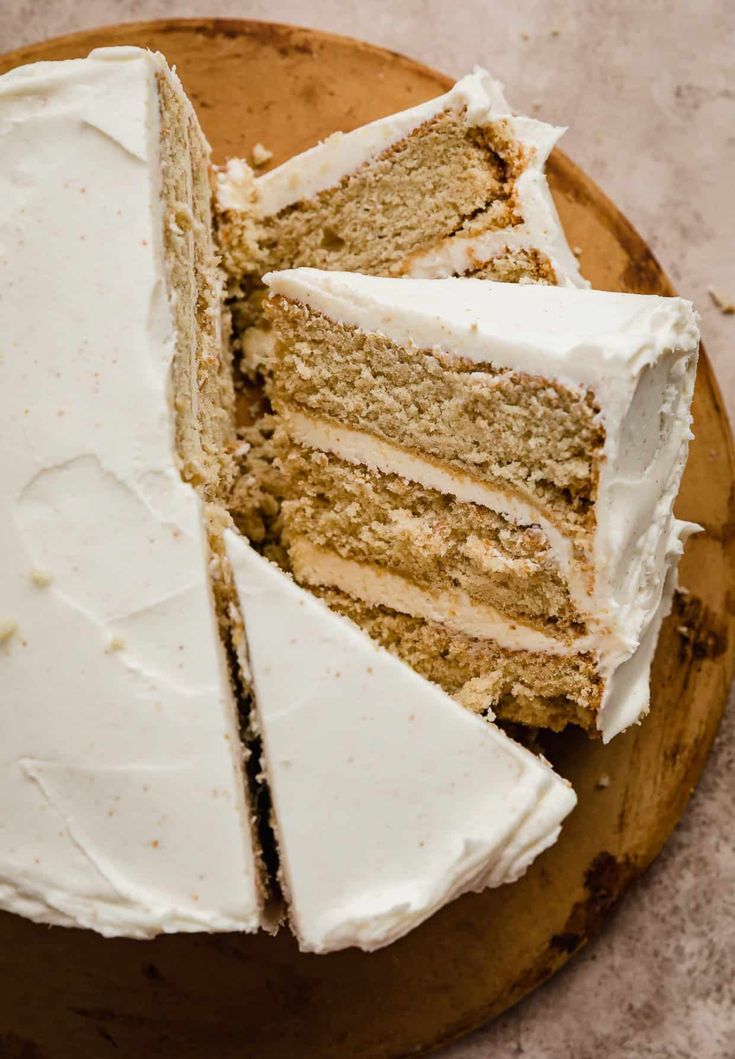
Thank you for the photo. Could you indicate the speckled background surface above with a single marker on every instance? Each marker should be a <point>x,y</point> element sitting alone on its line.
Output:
<point>648,89</point>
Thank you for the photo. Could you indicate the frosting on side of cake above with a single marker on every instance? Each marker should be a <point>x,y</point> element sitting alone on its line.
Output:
<point>389,799</point>
<point>481,101</point>
<point>122,798</point>
<point>635,354</point>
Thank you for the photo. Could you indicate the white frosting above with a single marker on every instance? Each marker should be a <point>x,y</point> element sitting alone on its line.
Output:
<point>389,799</point>
<point>122,800</point>
<point>483,102</point>
<point>636,353</point>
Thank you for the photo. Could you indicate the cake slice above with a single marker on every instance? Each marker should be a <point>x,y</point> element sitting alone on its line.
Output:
<point>482,475</point>
<point>453,186</point>
<point>123,799</point>
<point>388,798</point>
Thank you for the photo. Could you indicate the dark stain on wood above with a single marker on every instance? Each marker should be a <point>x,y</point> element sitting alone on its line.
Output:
<point>605,880</point>
<point>702,634</point>
<point>14,1047</point>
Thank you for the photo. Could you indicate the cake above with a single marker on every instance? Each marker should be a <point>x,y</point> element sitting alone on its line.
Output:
<point>482,475</point>
<point>123,802</point>
<point>453,186</point>
<point>388,798</point>
<point>184,727</point>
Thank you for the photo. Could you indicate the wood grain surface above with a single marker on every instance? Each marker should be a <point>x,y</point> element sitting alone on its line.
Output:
<point>72,995</point>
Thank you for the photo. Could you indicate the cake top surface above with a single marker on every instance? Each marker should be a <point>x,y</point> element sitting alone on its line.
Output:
<point>304,176</point>
<point>580,337</point>
<point>389,798</point>
<point>122,806</point>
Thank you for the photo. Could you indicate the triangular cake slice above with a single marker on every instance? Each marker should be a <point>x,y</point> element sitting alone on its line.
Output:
<point>455,186</point>
<point>123,801</point>
<point>483,476</point>
<point>389,799</point>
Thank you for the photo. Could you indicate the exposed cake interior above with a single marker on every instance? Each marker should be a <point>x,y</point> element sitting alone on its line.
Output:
<point>204,402</point>
<point>529,435</point>
<point>453,186</point>
<point>480,474</point>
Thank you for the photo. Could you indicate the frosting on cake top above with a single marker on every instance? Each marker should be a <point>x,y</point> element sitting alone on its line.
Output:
<point>389,798</point>
<point>122,799</point>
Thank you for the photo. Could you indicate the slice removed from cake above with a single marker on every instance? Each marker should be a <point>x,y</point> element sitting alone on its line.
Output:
<point>123,801</point>
<point>483,476</point>
<point>389,799</point>
<point>455,185</point>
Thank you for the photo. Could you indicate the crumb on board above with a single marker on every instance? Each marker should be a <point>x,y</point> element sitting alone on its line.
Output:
<point>603,781</point>
<point>261,155</point>
<point>7,630</point>
<point>116,643</point>
<point>577,251</point>
<point>40,578</point>
<point>724,304</point>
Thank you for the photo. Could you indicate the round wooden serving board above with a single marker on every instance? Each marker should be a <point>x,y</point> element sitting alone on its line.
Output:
<point>73,995</point>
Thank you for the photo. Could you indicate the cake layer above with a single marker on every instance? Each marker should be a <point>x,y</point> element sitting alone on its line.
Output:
<point>538,689</point>
<point>389,800</point>
<point>529,434</point>
<point>443,177</point>
<point>123,805</point>
<point>454,185</point>
<point>432,539</point>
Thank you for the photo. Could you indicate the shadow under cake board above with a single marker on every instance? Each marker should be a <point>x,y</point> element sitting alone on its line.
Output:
<point>69,994</point>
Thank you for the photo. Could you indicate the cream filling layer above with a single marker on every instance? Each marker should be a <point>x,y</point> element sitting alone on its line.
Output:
<point>385,457</point>
<point>451,607</point>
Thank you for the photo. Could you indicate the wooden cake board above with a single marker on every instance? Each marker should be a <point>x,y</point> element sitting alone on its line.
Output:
<point>68,994</point>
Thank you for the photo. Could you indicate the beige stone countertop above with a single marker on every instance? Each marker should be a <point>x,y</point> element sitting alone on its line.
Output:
<point>648,90</point>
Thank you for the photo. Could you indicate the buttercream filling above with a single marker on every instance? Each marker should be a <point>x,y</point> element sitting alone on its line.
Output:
<point>451,607</point>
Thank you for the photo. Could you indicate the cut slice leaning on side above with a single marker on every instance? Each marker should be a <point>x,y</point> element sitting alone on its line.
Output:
<point>389,799</point>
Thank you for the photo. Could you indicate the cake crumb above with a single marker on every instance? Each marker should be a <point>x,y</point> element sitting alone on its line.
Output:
<point>577,251</point>
<point>603,781</point>
<point>261,155</point>
<point>8,629</point>
<point>724,304</point>
<point>41,578</point>
<point>555,32</point>
<point>116,644</point>
<point>525,36</point>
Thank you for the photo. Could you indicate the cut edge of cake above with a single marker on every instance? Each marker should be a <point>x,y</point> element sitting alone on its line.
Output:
<point>510,214</point>
<point>575,379</point>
